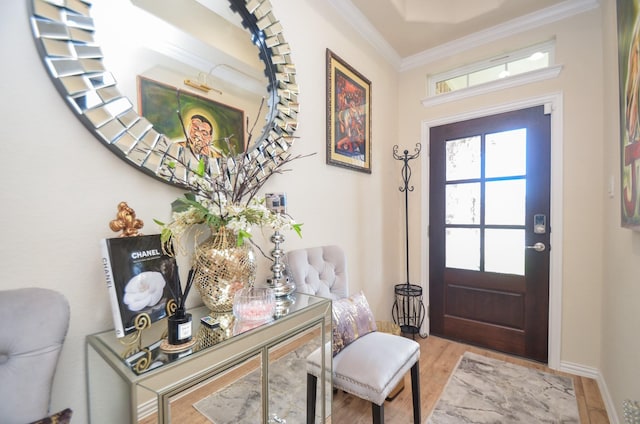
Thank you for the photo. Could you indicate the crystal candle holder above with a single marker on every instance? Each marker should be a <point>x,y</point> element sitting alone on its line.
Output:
<point>254,304</point>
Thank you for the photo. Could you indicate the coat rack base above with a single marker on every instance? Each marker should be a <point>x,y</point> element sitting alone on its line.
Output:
<point>408,308</point>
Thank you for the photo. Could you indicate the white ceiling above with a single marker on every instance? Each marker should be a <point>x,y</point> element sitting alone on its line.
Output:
<point>404,30</point>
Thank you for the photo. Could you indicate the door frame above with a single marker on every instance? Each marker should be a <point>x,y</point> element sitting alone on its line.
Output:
<point>553,104</point>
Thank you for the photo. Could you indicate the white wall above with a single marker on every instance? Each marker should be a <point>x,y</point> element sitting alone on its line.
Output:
<point>621,286</point>
<point>61,186</point>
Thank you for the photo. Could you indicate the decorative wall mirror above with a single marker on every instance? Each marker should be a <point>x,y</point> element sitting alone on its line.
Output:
<point>67,37</point>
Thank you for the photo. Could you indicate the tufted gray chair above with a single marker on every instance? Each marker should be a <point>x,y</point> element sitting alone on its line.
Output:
<point>34,326</point>
<point>372,365</point>
<point>319,271</point>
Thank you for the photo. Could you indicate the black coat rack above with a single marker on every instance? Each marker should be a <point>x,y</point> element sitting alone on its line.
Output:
<point>408,308</point>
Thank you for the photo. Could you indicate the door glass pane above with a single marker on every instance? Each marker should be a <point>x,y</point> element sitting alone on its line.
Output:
<point>506,153</point>
<point>462,248</point>
<point>463,158</point>
<point>504,251</point>
<point>505,202</point>
<point>462,203</point>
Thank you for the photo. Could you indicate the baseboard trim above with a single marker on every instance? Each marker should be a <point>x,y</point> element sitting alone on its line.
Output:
<point>595,374</point>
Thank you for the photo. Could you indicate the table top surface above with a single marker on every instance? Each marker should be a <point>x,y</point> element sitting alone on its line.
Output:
<point>149,350</point>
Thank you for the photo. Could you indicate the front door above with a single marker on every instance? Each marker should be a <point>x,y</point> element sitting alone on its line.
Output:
<point>489,232</point>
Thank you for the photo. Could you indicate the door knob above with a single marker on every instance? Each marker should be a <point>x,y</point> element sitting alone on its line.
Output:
<point>538,247</point>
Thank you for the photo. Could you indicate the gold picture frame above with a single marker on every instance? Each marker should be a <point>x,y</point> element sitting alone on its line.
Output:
<point>348,116</point>
<point>628,25</point>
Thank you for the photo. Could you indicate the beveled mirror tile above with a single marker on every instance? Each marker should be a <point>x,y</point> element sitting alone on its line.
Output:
<point>281,49</point>
<point>63,67</point>
<point>140,154</point>
<point>87,51</point>
<point>111,130</point>
<point>142,149</point>
<point>272,41</point>
<point>75,85</point>
<point>140,128</point>
<point>101,115</point>
<point>92,65</point>
<point>162,143</point>
<point>278,59</point>
<point>125,143</point>
<point>109,93</point>
<point>265,22</point>
<point>79,21</point>
<point>87,100</point>
<point>119,106</point>
<point>101,80</point>
<point>47,11</point>
<point>153,163</point>
<point>78,6</point>
<point>57,48</point>
<point>46,29</point>
<point>273,29</point>
<point>252,5</point>
<point>129,119</point>
<point>287,68</point>
<point>81,36</point>
<point>262,10</point>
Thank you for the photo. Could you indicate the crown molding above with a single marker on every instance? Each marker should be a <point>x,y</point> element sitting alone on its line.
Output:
<point>361,24</point>
<point>545,16</point>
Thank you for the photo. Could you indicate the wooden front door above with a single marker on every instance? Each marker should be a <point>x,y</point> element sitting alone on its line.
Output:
<point>489,232</point>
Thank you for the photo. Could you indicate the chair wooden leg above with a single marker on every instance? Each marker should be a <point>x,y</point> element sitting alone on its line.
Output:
<point>312,382</point>
<point>378,413</point>
<point>415,391</point>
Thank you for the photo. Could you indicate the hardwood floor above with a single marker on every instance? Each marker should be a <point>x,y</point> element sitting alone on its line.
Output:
<point>438,357</point>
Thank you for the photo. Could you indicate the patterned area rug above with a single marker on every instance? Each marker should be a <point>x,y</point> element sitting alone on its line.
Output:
<point>241,403</point>
<point>487,390</point>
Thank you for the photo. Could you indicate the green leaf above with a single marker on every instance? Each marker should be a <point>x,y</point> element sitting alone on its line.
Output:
<point>298,229</point>
<point>241,236</point>
<point>181,204</point>
<point>160,223</point>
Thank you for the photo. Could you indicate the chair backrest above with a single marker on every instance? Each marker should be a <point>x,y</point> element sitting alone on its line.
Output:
<point>320,271</point>
<point>34,323</point>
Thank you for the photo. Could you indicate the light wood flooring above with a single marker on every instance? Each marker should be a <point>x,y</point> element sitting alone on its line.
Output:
<point>438,357</point>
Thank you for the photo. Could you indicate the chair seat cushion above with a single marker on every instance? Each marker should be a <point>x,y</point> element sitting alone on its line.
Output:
<point>371,366</point>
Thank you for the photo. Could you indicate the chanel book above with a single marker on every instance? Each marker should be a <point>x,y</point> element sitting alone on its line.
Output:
<point>141,279</point>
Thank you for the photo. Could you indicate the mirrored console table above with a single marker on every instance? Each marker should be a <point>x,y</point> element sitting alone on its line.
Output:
<point>232,373</point>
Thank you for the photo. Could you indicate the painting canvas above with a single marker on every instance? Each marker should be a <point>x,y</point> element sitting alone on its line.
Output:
<point>629,97</point>
<point>175,113</point>
<point>348,116</point>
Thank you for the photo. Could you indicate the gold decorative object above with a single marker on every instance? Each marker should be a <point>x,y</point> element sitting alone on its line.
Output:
<point>143,363</point>
<point>126,221</point>
<point>133,341</point>
<point>222,268</point>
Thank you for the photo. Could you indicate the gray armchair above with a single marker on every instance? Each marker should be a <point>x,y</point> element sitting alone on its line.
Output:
<point>369,367</point>
<point>34,323</point>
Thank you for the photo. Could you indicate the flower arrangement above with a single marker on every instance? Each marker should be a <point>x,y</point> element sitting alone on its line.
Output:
<point>223,192</point>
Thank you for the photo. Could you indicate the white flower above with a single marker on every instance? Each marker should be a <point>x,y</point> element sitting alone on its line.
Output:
<point>143,290</point>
